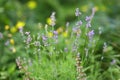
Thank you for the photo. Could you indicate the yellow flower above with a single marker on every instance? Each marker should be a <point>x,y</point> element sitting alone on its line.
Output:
<point>50,34</point>
<point>9,35</point>
<point>7,27</point>
<point>84,8</point>
<point>60,29</point>
<point>31,4</point>
<point>65,34</point>
<point>96,8</point>
<point>20,24</point>
<point>13,50</point>
<point>12,41</point>
<point>13,29</point>
<point>49,21</point>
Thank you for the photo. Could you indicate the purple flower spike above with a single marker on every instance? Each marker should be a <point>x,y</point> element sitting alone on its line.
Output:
<point>74,29</point>
<point>20,29</point>
<point>77,12</point>
<point>55,32</point>
<point>29,39</point>
<point>90,34</point>
<point>88,24</point>
<point>79,23</point>
<point>88,18</point>
<point>44,38</point>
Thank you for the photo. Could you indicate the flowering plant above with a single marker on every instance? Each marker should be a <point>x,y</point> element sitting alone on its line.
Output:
<point>51,56</point>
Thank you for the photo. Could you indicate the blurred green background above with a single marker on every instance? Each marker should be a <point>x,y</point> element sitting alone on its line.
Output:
<point>31,14</point>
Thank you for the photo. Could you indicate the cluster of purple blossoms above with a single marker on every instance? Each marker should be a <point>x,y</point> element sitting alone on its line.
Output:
<point>77,12</point>
<point>44,40</point>
<point>89,18</point>
<point>55,36</point>
<point>76,28</point>
<point>90,34</point>
<point>29,39</point>
<point>55,32</point>
<point>88,24</point>
<point>79,23</point>
<point>21,30</point>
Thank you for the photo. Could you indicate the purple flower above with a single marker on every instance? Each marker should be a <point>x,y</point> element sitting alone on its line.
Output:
<point>88,18</point>
<point>90,34</point>
<point>55,32</point>
<point>44,38</point>
<point>55,36</point>
<point>29,39</point>
<point>88,24</point>
<point>77,12</point>
<point>21,31</point>
<point>75,29</point>
<point>79,23</point>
